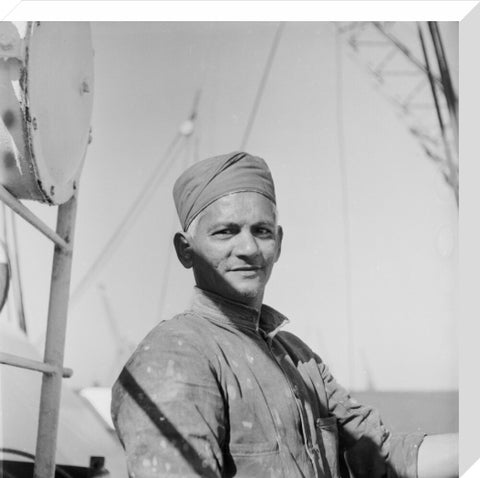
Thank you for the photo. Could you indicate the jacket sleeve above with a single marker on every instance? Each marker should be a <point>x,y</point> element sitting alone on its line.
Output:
<point>168,410</point>
<point>371,451</point>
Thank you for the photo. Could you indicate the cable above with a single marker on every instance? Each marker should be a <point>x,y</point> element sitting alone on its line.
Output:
<point>345,212</point>
<point>24,454</point>
<point>452,173</point>
<point>191,151</point>
<point>185,130</point>
<point>450,95</point>
<point>16,276</point>
<point>261,86</point>
<point>132,214</point>
<point>406,52</point>
<point>14,451</point>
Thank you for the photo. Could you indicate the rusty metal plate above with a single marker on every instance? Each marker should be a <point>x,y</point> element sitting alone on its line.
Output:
<point>46,101</point>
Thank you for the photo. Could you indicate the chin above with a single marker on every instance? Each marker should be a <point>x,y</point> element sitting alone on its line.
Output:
<point>246,293</point>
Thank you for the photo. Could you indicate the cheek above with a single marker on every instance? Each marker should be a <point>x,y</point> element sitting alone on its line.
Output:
<point>270,253</point>
<point>214,257</point>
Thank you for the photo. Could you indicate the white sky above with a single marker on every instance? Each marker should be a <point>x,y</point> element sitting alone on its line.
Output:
<point>402,217</point>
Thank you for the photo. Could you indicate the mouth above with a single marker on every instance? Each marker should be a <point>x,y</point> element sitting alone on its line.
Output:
<point>246,269</point>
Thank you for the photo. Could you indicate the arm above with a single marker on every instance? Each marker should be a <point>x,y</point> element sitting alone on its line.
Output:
<point>371,450</point>
<point>368,448</point>
<point>438,456</point>
<point>168,411</point>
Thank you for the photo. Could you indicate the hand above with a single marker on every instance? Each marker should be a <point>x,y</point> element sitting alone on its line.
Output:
<point>438,456</point>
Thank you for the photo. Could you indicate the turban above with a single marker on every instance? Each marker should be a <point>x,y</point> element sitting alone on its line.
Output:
<point>208,180</point>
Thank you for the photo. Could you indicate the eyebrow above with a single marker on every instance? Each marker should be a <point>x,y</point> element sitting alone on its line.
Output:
<point>221,224</point>
<point>227,224</point>
<point>265,223</point>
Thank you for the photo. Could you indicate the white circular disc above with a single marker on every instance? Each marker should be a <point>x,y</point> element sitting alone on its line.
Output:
<point>59,95</point>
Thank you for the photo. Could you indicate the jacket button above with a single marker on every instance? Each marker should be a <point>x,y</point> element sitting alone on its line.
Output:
<point>318,422</point>
<point>295,391</point>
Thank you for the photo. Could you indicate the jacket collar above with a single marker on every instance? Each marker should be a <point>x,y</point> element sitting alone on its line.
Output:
<point>219,309</point>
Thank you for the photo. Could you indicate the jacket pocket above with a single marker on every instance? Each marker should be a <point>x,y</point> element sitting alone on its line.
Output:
<point>328,446</point>
<point>255,460</point>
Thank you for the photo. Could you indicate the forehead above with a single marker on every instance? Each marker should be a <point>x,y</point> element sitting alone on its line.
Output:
<point>240,207</point>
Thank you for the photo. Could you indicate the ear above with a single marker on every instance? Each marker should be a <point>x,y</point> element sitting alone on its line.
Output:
<point>279,242</point>
<point>184,250</point>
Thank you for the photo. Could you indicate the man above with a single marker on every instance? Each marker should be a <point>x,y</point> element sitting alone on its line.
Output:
<point>219,390</point>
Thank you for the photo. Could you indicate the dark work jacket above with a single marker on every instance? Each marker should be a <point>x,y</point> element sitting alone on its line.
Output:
<point>218,391</point>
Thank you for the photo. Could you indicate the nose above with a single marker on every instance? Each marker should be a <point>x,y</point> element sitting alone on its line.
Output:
<point>246,244</point>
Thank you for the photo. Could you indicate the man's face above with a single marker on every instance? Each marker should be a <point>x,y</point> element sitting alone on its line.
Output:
<point>235,244</point>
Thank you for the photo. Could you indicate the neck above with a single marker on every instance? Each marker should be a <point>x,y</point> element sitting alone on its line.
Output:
<point>250,302</point>
<point>227,306</point>
<point>216,307</point>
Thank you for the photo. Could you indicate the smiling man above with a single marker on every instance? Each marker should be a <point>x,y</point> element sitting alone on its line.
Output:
<point>219,390</point>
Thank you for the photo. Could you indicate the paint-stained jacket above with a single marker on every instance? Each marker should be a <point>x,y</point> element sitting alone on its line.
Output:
<point>218,392</point>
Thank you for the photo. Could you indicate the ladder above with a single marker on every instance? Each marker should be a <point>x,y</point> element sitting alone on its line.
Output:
<point>52,366</point>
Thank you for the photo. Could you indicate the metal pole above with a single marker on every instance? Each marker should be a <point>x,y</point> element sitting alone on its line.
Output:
<point>406,52</point>
<point>451,97</point>
<point>16,276</point>
<point>13,203</point>
<point>453,173</point>
<point>29,364</point>
<point>350,352</point>
<point>55,344</point>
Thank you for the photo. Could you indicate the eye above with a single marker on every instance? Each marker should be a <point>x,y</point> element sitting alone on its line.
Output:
<point>224,232</point>
<point>264,232</point>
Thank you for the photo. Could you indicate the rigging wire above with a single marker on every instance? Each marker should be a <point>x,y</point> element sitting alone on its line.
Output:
<point>132,214</point>
<point>16,275</point>
<point>24,454</point>
<point>450,96</point>
<point>191,151</point>
<point>452,176</point>
<point>262,84</point>
<point>167,161</point>
<point>406,52</point>
<point>345,208</point>
<point>419,116</point>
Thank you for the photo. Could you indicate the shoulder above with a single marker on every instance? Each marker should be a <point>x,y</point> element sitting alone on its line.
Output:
<point>182,335</point>
<point>174,350</point>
